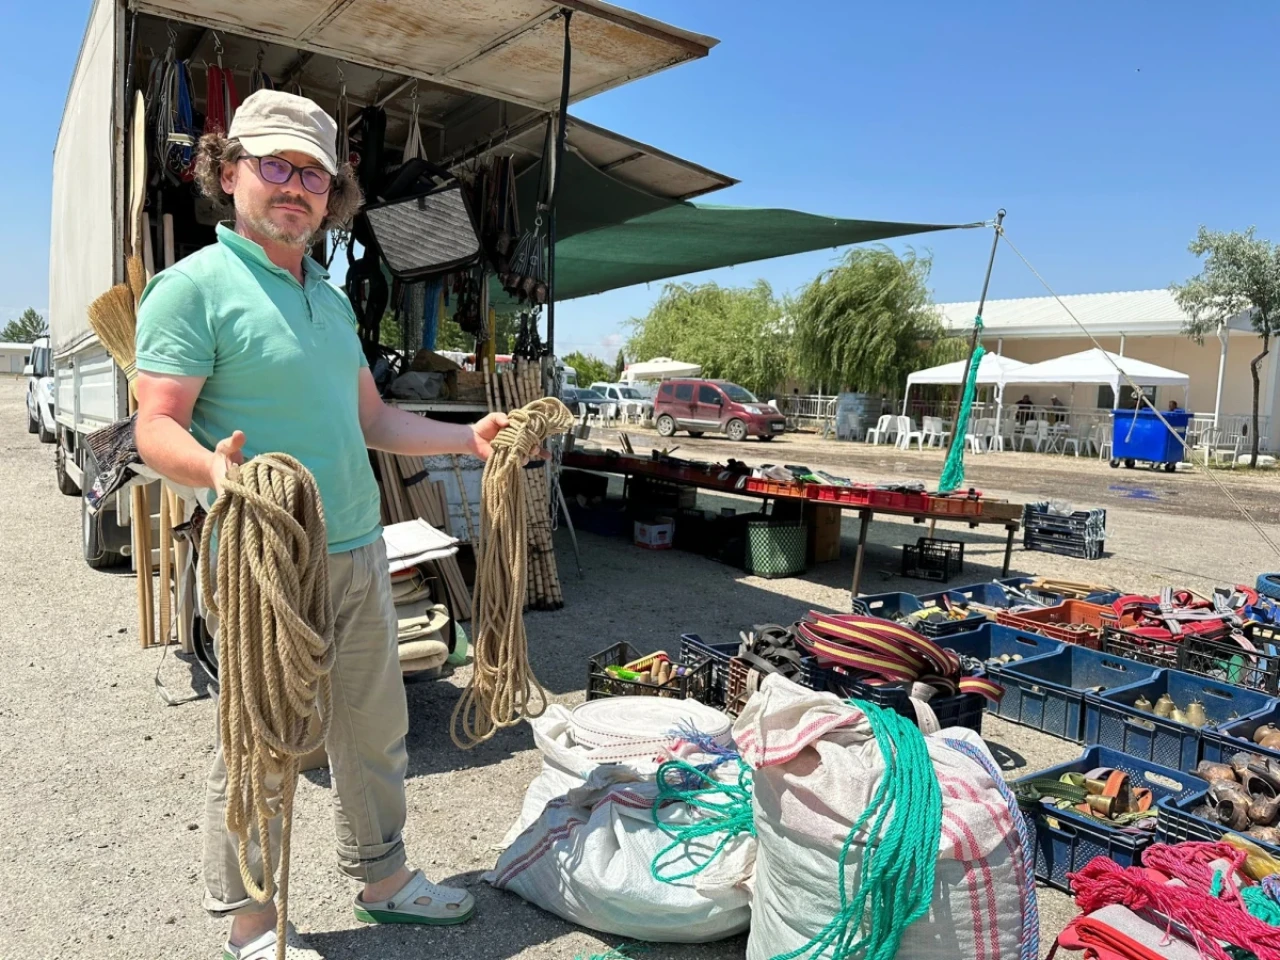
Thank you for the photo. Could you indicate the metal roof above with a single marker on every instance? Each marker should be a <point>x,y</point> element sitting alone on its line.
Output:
<point>1135,313</point>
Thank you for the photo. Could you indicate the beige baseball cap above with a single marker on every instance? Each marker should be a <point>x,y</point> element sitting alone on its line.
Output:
<point>272,121</point>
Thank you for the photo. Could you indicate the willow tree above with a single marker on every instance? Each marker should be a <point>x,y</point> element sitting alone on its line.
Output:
<point>869,321</point>
<point>1241,275</point>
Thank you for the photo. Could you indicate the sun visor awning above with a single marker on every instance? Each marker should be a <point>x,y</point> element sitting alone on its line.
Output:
<point>612,235</point>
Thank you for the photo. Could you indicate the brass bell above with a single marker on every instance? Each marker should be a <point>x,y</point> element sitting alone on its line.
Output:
<point>1263,731</point>
<point>1016,657</point>
<point>1164,706</point>
<point>1102,806</point>
<point>1178,716</point>
<point>1143,704</point>
<point>1196,716</point>
<point>1271,741</point>
<point>1210,771</point>
<point>1094,788</point>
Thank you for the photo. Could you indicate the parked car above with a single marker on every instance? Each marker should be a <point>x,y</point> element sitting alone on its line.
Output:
<point>39,374</point>
<point>620,393</point>
<point>582,402</point>
<point>715,406</point>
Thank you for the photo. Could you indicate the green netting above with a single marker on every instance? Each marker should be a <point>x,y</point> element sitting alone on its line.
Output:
<point>613,235</point>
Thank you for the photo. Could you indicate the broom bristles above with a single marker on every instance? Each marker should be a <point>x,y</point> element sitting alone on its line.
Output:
<point>137,276</point>
<point>113,319</point>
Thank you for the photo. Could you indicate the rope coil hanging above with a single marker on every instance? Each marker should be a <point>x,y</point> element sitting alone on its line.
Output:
<point>275,649</point>
<point>503,687</point>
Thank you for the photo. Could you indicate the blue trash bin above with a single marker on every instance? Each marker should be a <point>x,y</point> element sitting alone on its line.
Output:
<point>1140,435</point>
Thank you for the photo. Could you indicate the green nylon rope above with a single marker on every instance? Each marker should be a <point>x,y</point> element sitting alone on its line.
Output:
<point>1259,903</point>
<point>953,470</point>
<point>895,883</point>
<point>725,808</point>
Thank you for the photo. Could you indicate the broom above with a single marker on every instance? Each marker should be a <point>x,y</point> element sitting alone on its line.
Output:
<point>114,319</point>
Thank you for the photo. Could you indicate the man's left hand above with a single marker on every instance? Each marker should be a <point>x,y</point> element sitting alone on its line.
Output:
<point>485,430</point>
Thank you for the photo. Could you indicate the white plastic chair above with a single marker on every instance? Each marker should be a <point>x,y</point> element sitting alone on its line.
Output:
<point>1072,440</point>
<point>908,432</point>
<point>1035,432</point>
<point>881,432</point>
<point>932,431</point>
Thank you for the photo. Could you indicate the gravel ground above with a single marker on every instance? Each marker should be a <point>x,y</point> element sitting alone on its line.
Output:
<point>101,816</point>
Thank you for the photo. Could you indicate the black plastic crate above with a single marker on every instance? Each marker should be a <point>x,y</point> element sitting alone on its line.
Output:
<point>924,561</point>
<point>1047,692</point>
<point>696,684</point>
<point>1230,663</point>
<point>959,710</point>
<point>1088,523</point>
<point>1066,840</point>
<point>1131,646</point>
<point>693,649</point>
<point>1064,544</point>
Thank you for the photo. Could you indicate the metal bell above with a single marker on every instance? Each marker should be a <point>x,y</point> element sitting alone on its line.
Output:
<point>1143,704</point>
<point>1164,706</point>
<point>1263,732</point>
<point>1196,716</point>
<point>1178,715</point>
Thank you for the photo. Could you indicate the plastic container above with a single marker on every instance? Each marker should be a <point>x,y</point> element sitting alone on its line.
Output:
<point>959,710</point>
<point>1140,435</point>
<point>1066,840</point>
<point>1057,622</point>
<point>1177,824</point>
<point>992,641</point>
<point>1230,663</point>
<point>829,493</point>
<point>1112,721</point>
<point>890,606</point>
<point>693,648</point>
<point>1223,742</point>
<point>773,488</point>
<point>694,685</point>
<point>1047,692</point>
<point>1134,647</point>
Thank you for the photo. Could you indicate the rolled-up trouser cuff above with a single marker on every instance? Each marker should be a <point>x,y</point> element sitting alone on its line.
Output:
<point>217,909</point>
<point>371,864</point>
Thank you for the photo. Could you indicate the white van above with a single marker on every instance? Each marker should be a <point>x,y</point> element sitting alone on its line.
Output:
<point>39,374</point>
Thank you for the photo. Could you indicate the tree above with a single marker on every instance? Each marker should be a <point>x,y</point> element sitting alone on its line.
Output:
<point>869,321</point>
<point>1241,274</point>
<point>590,369</point>
<point>450,336</point>
<point>25,329</point>
<point>734,333</point>
<point>619,365</point>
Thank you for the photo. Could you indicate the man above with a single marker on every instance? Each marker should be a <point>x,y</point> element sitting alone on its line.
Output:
<point>1173,406</point>
<point>244,348</point>
<point>1024,408</point>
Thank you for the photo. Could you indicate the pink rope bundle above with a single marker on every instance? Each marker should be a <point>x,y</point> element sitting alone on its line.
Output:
<point>1102,882</point>
<point>1193,864</point>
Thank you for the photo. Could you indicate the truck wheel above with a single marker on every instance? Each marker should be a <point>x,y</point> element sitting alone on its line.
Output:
<point>1268,585</point>
<point>97,552</point>
<point>736,430</point>
<point>695,434</point>
<point>65,483</point>
<point>666,426</point>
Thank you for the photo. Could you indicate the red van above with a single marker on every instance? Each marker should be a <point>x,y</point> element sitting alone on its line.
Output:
<point>706,406</point>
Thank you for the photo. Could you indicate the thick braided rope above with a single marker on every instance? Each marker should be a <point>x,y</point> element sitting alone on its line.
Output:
<point>503,687</point>
<point>275,649</point>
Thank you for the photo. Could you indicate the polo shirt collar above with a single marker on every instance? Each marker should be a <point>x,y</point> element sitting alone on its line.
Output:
<point>246,249</point>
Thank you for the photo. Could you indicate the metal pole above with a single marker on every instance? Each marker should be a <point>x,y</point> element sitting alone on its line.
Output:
<point>555,183</point>
<point>957,435</point>
<point>1223,334</point>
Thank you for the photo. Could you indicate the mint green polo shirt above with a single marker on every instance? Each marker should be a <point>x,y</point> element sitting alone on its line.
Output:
<point>281,361</point>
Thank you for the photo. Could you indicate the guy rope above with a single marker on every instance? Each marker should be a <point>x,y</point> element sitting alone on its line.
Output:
<point>275,650</point>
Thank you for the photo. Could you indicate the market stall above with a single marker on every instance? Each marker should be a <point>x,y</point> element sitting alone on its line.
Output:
<point>993,370</point>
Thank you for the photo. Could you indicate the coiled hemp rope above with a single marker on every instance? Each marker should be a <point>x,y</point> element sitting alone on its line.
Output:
<point>275,649</point>
<point>502,685</point>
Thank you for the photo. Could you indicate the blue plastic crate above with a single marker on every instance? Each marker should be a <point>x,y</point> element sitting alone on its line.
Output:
<point>986,594</point>
<point>1034,594</point>
<point>960,710</point>
<point>1047,692</point>
<point>1112,721</point>
<point>1067,840</point>
<point>890,606</point>
<point>990,641</point>
<point>1221,743</point>
<point>693,648</point>
<point>1177,824</point>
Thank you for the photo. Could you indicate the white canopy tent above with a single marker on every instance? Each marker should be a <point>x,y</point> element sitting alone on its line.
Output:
<point>1098,366</point>
<point>659,368</point>
<point>992,369</point>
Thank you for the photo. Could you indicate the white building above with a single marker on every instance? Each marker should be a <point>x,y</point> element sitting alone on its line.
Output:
<point>13,357</point>
<point>1145,324</point>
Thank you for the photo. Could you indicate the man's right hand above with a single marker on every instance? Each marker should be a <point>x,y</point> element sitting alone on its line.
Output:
<point>228,453</point>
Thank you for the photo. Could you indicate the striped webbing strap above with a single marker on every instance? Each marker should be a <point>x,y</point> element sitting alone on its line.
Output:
<point>888,653</point>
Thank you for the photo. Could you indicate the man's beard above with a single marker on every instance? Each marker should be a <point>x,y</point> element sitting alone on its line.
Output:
<point>262,223</point>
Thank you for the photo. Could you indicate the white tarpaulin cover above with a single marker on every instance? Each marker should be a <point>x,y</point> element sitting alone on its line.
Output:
<point>992,369</point>
<point>660,368</point>
<point>82,257</point>
<point>1099,366</point>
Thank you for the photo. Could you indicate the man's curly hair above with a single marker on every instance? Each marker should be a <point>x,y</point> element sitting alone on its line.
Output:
<point>215,149</point>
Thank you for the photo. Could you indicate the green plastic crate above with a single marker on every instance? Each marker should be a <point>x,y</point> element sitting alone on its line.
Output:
<point>775,549</point>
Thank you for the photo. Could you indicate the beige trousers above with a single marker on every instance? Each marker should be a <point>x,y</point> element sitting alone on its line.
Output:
<point>366,743</point>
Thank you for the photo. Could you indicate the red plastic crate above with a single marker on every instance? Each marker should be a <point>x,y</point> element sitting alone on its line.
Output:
<point>1053,622</point>
<point>915,501</point>
<point>888,498</point>
<point>775,489</point>
<point>833,494</point>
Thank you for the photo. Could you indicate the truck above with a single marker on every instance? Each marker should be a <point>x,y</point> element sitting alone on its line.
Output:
<point>478,76</point>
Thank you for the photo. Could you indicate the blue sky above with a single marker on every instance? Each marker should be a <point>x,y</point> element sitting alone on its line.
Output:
<point>1108,131</point>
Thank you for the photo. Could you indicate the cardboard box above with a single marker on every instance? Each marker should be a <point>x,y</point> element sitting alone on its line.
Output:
<point>659,535</point>
<point>823,524</point>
